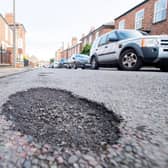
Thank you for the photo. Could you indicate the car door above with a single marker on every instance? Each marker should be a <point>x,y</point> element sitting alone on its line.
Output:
<point>101,49</point>
<point>111,47</point>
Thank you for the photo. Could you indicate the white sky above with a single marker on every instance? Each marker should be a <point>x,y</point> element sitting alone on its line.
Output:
<point>49,22</point>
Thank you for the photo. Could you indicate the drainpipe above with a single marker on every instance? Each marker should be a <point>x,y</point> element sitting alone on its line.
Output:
<point>1,54</point>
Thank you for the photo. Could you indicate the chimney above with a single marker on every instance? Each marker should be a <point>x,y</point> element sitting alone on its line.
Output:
<point>92,29</point>
<point>9,18</point>
<point>74,41</point>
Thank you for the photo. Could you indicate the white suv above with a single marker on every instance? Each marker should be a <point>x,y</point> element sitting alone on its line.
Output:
<point>129,50</point>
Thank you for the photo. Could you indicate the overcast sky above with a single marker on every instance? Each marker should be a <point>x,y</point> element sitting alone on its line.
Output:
<point>49,22</point>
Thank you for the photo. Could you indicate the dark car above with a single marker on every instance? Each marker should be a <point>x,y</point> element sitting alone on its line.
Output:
<point>79,61</point>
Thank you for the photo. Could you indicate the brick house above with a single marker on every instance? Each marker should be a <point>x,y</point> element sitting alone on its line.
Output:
<point>6,42</point>
<point>20,39</point>
<point>150,16</point>
<point>64,54</point>
<point>69,51</point>
<point>58,55</point>
<point>94,33</point>
<point>76,47</point>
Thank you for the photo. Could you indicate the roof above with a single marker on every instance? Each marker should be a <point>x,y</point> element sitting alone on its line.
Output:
<point>105,25</point>
<point>108,24</point>
<point>4,19</point>
<point>143,2</point>
<point>17,25</point>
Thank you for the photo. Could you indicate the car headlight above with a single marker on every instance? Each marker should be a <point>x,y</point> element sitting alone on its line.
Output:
<point>149,43</point>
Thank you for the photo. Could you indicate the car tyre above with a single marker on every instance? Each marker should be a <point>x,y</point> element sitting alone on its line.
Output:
<point>94,64</point>
<point>83,67</point>
<point>75,66</point>
<point>130,61</point>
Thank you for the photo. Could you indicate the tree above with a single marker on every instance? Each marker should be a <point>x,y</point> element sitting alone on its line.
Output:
<point>86,49</point>
<point>51,60</point>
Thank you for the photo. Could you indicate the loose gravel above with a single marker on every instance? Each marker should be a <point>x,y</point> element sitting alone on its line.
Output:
<point>61,119</point>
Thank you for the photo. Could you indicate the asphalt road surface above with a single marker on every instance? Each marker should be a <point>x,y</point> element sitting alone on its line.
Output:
<point>139,100</point>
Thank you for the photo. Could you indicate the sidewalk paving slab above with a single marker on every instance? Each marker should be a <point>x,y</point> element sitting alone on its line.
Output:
<point>9,71</point>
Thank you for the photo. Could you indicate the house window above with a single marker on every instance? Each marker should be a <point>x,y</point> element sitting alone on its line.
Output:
<point>97,35</point>
<point>122,24</point>
<point>11,37</point>
<point>6,32</point>
<point>85,41</point>
<point>139,19</point>
<point>90,39</point>
<point>20,43</point>
<point>160,11</point>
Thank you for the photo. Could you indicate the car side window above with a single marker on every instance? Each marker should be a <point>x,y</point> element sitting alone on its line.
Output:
<point>95,43</point>
<point>103,40</point>
<point>112,35</point>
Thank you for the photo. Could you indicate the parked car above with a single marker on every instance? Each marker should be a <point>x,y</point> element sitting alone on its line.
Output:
<point>130,50</point>
<point>62,63</point>
<point>51,65</point>
<point>57,64</point>
<point>79,61</point>
<point>67,63</point>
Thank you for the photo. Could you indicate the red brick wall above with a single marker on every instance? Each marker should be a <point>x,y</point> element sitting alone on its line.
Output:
<point>157,28</point>
<point>103,31</point>
<point>93,34</point>
<point>5,42</point>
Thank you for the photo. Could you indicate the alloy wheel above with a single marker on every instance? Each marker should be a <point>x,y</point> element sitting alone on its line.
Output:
<point>129,60</point>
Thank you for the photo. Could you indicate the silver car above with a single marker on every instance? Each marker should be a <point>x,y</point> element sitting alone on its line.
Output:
<point>129,50</point>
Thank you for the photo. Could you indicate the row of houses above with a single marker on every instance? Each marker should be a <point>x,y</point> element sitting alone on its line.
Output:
<point>150,16</point>
<point>6,41</point>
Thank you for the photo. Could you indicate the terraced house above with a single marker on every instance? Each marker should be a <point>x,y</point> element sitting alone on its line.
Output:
<point>6,41</point>
<point>150,16</point>
<point>94,33</point>
<point>76,47</point>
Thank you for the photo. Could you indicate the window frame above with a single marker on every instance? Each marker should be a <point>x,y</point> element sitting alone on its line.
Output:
<point>90,39</point>
<point>121,24</point>
<point>97,35</point>
<point>159,11</point>
<point>139,19</point>
<point>6,32</point>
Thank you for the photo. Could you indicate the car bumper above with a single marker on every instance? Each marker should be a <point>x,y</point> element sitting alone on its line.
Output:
<point>155,54</point>
<point>163,55</point>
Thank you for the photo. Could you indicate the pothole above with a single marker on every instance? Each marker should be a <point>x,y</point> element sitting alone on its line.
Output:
<point>61,119</point>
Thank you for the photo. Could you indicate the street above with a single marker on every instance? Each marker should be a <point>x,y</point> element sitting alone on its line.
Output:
<point>112,119</point>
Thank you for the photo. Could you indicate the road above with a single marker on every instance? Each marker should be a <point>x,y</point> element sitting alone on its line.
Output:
<point>139,99</point>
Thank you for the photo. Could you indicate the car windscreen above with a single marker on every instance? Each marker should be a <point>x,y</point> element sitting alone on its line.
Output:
<point>126,34</point>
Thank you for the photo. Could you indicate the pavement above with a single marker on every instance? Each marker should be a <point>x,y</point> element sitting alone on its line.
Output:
<point>140,98</point>
<point>8,71</point>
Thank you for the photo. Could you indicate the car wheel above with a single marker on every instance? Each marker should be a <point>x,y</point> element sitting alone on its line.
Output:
<point>130,61</point>
<point>75,66</point>
<point>83,67</point>
<point>94,64</point>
